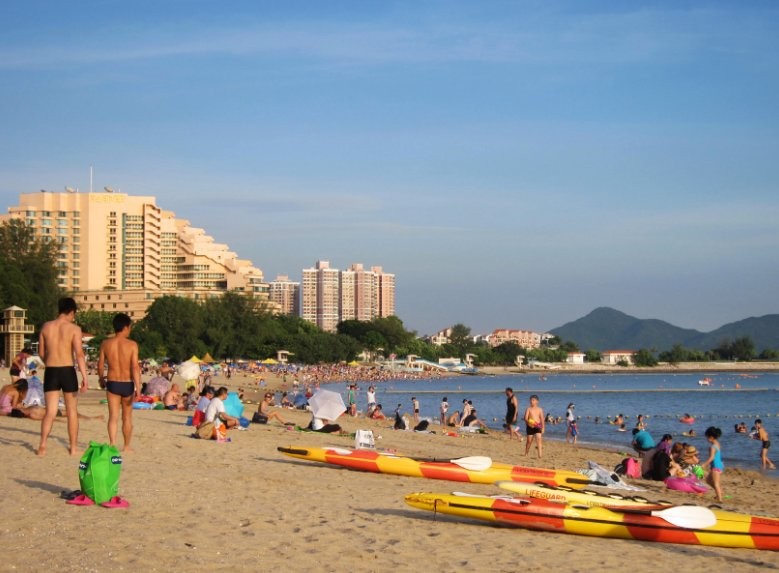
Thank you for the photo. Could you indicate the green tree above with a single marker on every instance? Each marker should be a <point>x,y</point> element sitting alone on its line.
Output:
<point>592,355</point>
<point>28,272</point>
<point>769,354</point>
<point>505,354</point>
<point>460,339</point>
<point>178,324</point>
<point>644,357</point>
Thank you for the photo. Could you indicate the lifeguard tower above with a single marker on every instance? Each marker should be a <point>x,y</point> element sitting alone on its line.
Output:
<point>14,329</point>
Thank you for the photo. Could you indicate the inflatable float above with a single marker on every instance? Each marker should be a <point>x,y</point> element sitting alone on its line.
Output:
<point>684,524</point>
<point>473,469</point>
<point>686,484</point>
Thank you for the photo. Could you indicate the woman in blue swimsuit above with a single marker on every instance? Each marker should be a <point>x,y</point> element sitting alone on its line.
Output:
<point>714,461</point>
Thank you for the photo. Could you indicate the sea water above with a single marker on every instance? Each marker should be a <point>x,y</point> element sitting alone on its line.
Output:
<point>662,398</point>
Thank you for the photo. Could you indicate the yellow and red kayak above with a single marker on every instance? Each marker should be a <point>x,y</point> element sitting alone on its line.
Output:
<point>646,524</point>
<point>563,494</point>
<point>452,470</point>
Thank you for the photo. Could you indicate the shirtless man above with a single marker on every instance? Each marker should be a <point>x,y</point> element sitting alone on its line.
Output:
<point>123,383</point>
<point>58,343</point>
<point>762,435</point>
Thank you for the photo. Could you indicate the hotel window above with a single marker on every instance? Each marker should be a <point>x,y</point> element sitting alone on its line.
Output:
<point>46,213</point>
<point>46,222</point>
<point>76,231</point>
<point>30,213</point>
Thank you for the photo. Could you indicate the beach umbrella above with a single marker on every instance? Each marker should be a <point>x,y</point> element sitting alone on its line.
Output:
<point>270,361</point>
<point>189,370</point>
<point>157,386</point>
<point>327,405</point>
<point>233,405</point>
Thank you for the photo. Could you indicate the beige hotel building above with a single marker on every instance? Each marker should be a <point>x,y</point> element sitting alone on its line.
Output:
<point>329,296</point>
<point>118,252</point>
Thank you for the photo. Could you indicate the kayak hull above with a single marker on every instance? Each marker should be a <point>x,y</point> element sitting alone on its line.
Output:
<point>378,462</point>
<point>732,529</point>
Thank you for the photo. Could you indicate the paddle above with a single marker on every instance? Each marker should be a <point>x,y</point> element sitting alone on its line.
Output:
<point>473,463</point>
<point>686,516</point>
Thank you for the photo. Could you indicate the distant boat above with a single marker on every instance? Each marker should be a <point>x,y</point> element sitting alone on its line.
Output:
<point>705,382</point>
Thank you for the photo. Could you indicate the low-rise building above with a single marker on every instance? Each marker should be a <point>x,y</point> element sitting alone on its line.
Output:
<point>614,357</point>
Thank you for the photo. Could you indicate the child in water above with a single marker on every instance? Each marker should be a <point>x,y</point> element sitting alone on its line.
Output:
<point>714,461</point>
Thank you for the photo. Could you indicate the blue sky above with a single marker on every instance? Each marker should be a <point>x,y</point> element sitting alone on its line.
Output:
<point>515,164</point>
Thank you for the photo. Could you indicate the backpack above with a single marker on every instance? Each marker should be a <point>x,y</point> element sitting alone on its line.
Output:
<point>98,472</point>
<point>629,467</point>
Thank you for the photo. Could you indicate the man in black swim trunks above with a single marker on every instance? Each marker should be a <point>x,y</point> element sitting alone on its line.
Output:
<point>59,342</point>
<point>123,383</point>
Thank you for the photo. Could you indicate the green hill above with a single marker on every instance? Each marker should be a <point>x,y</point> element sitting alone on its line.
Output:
<point>609,329</point>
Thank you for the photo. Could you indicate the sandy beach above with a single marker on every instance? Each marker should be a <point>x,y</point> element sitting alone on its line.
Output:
<point>203,505</point>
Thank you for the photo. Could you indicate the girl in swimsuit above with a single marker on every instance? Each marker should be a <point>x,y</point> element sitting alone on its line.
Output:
<point>714,461</point>
<point>12,395</point>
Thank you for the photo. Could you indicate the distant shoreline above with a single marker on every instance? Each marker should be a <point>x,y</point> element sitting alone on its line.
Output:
<point>663,368</point>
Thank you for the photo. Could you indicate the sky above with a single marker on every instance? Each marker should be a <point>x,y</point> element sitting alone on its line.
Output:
<point>514,164</point>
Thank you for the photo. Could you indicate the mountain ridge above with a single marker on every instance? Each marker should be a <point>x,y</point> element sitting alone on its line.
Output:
<point>606,328</point>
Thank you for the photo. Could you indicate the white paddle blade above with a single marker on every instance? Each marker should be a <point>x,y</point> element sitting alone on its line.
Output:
<point>688,516</point>
<point>474,463</point>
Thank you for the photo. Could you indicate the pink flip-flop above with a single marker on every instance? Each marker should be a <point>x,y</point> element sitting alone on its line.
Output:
<point>116,502</point>
<point>80,500</point>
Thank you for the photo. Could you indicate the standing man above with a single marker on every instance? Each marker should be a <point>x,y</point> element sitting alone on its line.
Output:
<point>512,410</point>
<point>123,382</point>
<point>58,343</point>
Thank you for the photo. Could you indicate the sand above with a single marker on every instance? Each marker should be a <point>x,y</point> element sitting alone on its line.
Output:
<point>206,506</point>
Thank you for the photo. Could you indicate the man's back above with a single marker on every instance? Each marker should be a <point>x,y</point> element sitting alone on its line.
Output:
<point>120,354</point>
<point>61,340</point>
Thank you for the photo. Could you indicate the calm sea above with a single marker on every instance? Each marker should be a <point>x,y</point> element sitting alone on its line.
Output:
<point>662,398</point>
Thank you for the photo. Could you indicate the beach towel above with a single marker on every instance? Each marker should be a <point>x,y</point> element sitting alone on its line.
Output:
<point>98,472</point>
<point>606,478</point>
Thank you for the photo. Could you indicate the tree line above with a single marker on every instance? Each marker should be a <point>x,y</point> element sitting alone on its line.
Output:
<point>237,326</point>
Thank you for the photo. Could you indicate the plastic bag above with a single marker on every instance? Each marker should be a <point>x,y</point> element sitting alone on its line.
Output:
<point>363,439</point>
<point>98,472</point>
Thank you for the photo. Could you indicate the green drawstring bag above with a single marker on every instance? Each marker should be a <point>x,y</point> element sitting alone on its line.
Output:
<point>98,472</point>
